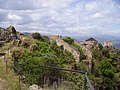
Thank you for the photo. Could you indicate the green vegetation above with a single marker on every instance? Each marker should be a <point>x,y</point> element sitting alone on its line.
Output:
<point>105,68</point>
<point>4,47</point>
<point>36,51</point>
<point>11,78</point>
<point>108,74</point>
<point>69,40</point>
<point>37,36</point>
<point>82,56</point>
<point>79,49</point>
<point>47,54</point>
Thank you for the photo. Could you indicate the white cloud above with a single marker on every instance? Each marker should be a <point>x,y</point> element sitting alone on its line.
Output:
<point>92,6</point>
<point>14,17</point>
<point>97,15</point>
<point>35,16</point>
<point>67,17</point>
<point>54,4</point>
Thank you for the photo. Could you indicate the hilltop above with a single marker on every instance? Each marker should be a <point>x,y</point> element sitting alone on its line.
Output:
<point>101,61</point>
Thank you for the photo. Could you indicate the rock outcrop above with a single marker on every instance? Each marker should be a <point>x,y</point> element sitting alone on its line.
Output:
<point>91,42</point>
<point>88,54</point>
<point>108,44</point>
<point>8,34</point>
<point>66,46</point>
<point>1,43</point>
<point>34,87</point>
<point>11,29</point>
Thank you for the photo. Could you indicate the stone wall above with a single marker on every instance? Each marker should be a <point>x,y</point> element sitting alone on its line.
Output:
<point>66,46</point>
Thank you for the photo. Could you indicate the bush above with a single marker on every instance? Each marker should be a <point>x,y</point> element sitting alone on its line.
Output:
<point>37,36</point>
<point>69,40</point>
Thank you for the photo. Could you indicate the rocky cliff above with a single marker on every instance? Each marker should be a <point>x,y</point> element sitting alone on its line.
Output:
<point>66,46</point>
<point>88,54</point>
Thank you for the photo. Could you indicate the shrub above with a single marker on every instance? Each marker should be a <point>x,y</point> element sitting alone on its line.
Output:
<point>37,36</point>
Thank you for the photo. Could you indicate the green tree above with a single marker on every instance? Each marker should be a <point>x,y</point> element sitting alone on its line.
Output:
<point>31,66</point>
<point>37,36</point>
<point>105,52</point>
<point>100,46</point>
<point>108,71</point>
<point>45,38</point>
<point>69,40</point>
<point>97,54</point>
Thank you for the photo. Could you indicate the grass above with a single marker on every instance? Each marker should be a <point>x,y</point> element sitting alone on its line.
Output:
<point>4,47</point>
<point>12,80</point>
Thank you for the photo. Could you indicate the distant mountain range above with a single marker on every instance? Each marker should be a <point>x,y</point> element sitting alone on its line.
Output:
<point>116,43</point>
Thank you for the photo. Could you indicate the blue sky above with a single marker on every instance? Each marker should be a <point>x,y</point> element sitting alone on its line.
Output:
<point>63,17</point>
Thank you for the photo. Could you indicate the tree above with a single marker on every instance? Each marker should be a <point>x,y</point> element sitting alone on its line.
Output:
<point>45,38</point>
<point>105,52</point>
<point>97,54</point>
<point>100,46</point>
<point>107,71</point>
<point>37,36</point>
<point>69,40</point>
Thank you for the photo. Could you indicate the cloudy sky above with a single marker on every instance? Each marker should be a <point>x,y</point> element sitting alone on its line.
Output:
<point>63,17</point>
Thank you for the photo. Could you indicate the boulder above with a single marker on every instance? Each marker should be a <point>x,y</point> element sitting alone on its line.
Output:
<point>1,43</point>
<point>33,47</point>
<point>11,29</point>
<point>34,87</point>
<point>3,34</point>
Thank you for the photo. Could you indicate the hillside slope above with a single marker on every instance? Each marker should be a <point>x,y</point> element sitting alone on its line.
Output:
<point>9,80</point>
<point>29,53</point>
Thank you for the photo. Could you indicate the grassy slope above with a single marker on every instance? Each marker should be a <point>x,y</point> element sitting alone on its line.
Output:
<point>5,47</point>
<point>12,80</point>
